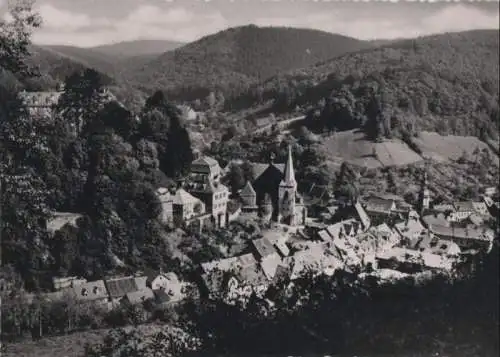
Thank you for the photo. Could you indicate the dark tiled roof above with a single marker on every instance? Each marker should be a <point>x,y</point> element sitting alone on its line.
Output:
<point>120,287</point>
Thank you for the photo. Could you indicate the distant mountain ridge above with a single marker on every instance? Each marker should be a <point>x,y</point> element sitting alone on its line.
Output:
<point>234,58</point>
<point>138,48</point>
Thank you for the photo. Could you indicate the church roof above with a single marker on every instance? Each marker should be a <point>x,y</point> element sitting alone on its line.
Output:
<point>258,169</point>
<point>247,190</point>
<point>183,197</point>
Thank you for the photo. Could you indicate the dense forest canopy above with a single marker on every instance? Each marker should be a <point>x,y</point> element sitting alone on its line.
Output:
<point>445,83</point>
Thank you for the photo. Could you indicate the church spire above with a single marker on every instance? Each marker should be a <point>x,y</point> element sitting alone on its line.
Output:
<point>289,176</point>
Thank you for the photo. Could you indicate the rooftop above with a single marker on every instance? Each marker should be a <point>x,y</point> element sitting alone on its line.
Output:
<point>119,287</point>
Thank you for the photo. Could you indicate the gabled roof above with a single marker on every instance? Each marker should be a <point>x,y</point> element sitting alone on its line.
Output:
<point>375,204</point>
<point>139,296</point>
<point>464,206</point>
<point>205,160</point>
<point>119,287</point>
<point>263,247</point>
<point>365,220</point>
<point>258,169</point>
<point>248,190</point>
<point>92,290</point>
<point>182,197</point>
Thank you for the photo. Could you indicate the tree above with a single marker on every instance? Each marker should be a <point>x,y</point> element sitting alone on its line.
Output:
<point>15,37</point>
<point>82,99</point>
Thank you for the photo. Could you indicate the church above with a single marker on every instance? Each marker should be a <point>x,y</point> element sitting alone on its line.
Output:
<point>274,190</point>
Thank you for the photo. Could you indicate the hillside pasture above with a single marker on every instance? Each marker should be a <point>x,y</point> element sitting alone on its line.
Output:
<point>450,147</point>
<point>352,147</point>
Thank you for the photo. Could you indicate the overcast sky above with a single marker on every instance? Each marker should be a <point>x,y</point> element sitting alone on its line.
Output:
<point>94,22</point>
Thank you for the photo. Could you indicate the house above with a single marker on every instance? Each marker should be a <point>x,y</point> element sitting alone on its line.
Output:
<point>466,238</point>
<point>61,219</point>
<point>67,282</point>
<point>490,191</point>
<point>462,211</point>
<point>138,297</point>
<point>316,259</point>
<point>362,215</point>
<point>409,230</point>
<point>117,288</point>
<point>411,261</point>
<point>277,183</point>
<point>432,244</point>
<point>436,218</point>
<point>90,292</point>
<point>443,208</point>
<point>40,104</point>
<point>379,209</point>
<point>263,248</point>
<point>185,207</point>
<point>167,201</point>
<point>233,278</point>
<point>386,237</point>
<point>248,198</point>
<point>169,283</point>
<point>188,113</point>
<point>205,185</point>
<point>480,208</point>
<point>245,282</point>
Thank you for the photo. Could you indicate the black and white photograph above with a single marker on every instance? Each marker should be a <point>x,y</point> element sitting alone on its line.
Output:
<point>249,178</point>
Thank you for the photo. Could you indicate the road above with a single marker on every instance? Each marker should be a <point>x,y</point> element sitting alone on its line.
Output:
<point>281,124</point>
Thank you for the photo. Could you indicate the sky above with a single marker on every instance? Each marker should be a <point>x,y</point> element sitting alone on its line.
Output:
<point>87,23</point>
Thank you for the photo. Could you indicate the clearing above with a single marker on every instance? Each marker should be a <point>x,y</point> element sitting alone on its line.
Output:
<point>450,147</point>
<point>352,146</point>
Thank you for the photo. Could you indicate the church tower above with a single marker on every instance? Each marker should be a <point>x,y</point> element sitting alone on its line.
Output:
<point>287,193</point>
<point>425,195</point>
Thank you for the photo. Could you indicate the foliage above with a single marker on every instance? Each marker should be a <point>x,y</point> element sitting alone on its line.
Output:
<point>434,83</point>
<point>167,341</point>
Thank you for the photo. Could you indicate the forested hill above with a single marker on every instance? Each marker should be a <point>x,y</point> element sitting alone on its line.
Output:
<point>53,68</point>
<point>234,58</point>
<point>445,82</point>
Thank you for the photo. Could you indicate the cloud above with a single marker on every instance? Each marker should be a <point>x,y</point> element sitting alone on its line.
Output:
<point>455,17</point>
<point>145,21</point>
<point>103,22</point>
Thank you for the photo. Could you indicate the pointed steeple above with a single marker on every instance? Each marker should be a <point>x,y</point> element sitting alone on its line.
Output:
<point>289,176</point>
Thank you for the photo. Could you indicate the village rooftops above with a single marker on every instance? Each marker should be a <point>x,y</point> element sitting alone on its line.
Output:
<point>229,263</point>
<point>403,255</point>
<point>481,234</point>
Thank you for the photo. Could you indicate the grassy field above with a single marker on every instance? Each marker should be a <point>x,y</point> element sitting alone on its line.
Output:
<point>352,147</point>
<point>449,147</point>
<point>72,345</point>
